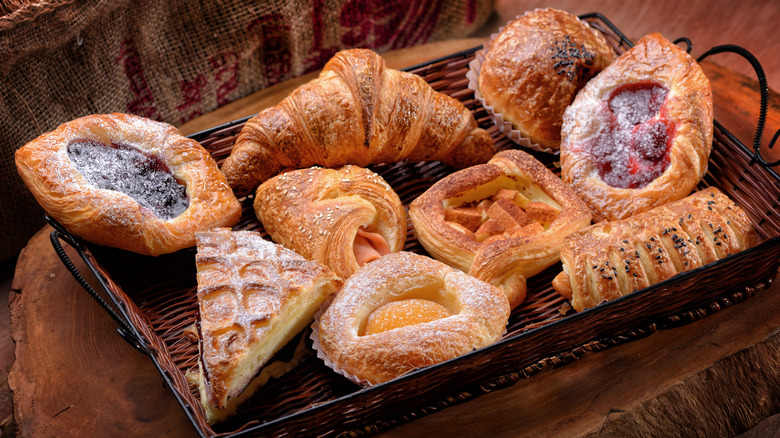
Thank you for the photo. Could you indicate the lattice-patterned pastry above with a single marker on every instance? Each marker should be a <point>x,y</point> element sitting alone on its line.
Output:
<point>254,296</point>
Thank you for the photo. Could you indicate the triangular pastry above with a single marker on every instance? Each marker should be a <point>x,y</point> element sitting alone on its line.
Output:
<point>254,296</point>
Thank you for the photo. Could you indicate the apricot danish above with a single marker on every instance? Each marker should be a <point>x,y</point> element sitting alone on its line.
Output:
<point>501,222</point>
<point>406,311</point>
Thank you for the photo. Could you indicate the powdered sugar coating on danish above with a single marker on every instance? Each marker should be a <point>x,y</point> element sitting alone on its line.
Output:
<point>478,317</point>
<point>111,217</point>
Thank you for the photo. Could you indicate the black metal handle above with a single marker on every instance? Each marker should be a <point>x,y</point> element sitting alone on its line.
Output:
<point>127,332</point>
<point>763,89</point>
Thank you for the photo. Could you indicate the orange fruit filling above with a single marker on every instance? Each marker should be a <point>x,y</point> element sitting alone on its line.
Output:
<point>402,313</point>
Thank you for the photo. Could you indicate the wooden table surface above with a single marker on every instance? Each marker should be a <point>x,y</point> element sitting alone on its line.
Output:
<point>75,376</point>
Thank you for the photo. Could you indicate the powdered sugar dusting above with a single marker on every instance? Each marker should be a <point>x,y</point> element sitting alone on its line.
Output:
<point>142,176</point>
<point>631,148</point>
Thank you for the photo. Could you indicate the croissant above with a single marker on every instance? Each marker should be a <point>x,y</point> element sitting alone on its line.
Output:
<point>639,134</point>
<point>342,218</point>
<point>611,259</point>
<point>359,112</point>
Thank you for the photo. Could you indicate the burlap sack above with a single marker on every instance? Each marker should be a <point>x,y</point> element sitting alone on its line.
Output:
<point>176,59</point>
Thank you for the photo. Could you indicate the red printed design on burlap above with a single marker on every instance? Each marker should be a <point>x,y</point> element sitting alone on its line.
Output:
<point>143,103</point>
<point>273,31</point>
<point>385,25</point>
<point>225,66</point>
<point>192,92</point>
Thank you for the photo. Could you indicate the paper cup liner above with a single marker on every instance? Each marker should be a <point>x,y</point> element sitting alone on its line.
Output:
<point>504,126</point>
<point>315,339</point>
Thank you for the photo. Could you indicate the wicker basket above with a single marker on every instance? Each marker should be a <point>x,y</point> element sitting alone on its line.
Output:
<point>156,308</point>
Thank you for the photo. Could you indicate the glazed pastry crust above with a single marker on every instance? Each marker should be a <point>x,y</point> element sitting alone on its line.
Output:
<point>317,212</point>
<point>478,317</point>
<point>505,262</point>
<point>536,65</point>
<point>611,259</point>
<point>688,105</point>
<point>112,218</point>
<point>253,297</point>
<point>358,112</point>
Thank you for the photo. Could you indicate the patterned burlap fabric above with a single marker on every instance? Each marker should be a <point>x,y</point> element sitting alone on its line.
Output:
<point>174,60</point>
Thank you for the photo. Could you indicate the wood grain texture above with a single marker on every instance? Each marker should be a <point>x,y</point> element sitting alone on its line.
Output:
<point>73,374</point>
<point>687,381</point>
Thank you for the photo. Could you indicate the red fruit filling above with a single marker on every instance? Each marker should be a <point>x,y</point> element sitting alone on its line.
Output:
<point>632,148</point>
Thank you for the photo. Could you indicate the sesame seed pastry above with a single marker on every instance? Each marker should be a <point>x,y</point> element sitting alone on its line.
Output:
<point>640,133</point>
<point>357,111</point>
<point>502,222</point>
<point>127,182</point>
<point>611,259</point>
<point>342,218</point>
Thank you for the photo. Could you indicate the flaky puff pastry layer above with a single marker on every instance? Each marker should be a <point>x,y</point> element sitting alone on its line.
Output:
<point>478,314</point>
<point>611,259</point>
<point>536,65</point>
<point>110,217</point>
<point>503,262</point>
<point>688,107</point>
<point>254,296</point>
<point>357,111</point>
<point>323,213</point>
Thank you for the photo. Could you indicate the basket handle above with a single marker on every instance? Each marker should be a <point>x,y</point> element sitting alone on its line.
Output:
<point>764,90</point>
<point>125,329</point>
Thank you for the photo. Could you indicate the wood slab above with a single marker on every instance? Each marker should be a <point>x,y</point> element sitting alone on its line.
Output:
<point>74,375</point>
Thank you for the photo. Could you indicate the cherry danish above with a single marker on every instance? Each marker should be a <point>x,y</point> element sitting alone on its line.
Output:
<point>639,134</point>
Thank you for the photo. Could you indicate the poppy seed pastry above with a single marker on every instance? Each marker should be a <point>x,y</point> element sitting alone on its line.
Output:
<point>535,66</point>
<point>127,182</point>
<point>610,259</point>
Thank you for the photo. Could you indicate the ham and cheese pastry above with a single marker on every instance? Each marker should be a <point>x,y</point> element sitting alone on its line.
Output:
<point>254,296</point>
<point>127,182</point>
<point>611,259</point>
<point>342,218</point>
<point>501,222</point>
<point>639,134</point>
<point>407,311</point>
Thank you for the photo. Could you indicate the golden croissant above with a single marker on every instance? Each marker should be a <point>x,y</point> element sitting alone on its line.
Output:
<point>357,111</point>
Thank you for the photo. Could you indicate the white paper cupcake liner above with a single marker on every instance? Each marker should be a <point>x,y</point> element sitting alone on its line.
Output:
<point>503,125</point>
<point>315,339</point>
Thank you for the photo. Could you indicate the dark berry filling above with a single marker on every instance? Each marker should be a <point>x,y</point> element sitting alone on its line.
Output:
<point>632,148</point>
<point>142,176</point>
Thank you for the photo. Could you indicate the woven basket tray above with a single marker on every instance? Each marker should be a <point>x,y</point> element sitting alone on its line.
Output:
<point>157,297</point>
